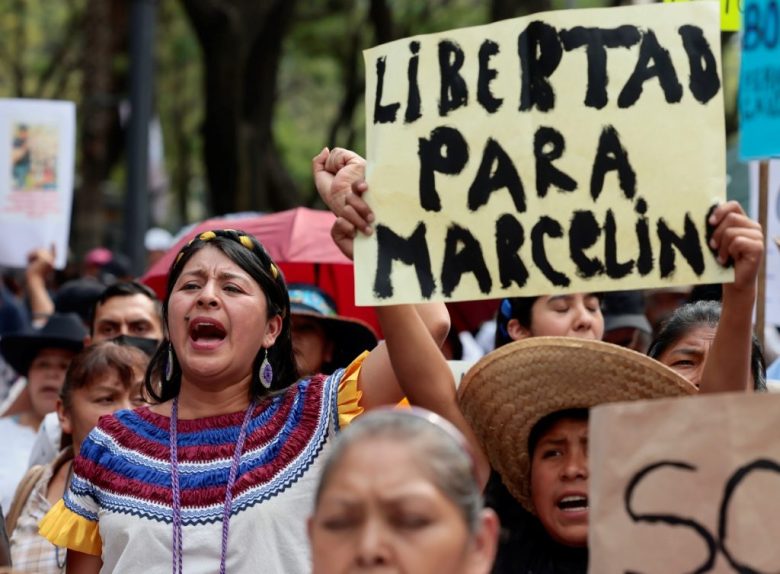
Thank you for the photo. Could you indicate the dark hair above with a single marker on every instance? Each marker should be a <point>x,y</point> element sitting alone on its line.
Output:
<point>246,252</point>
<point>98,360</point>
<point>512,308</point>
<point>703,314</point>
<point>124,289</point>
<point>547,422</point>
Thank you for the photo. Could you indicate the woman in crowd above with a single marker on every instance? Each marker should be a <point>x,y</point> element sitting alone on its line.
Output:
<point>399,492</point>
<point>101,379</point>
<point>42,356</point>
<point>688,337</point>
<point>218,474</point>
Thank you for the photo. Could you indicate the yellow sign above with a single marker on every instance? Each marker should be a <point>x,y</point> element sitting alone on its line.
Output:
<point>730,13</point>
<point>540,155</point>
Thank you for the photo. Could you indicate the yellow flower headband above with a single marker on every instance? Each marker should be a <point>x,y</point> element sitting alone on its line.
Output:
<point>238,236</point>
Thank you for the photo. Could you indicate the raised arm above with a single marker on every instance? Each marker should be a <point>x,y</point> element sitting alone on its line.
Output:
<point>39,265</point>
<point>338,175</point>
<point>739,239</point>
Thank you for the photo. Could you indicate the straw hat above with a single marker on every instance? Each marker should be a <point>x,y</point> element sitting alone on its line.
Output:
<point>510,389</point>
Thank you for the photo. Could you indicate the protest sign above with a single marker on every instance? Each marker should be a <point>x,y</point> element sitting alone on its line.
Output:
<point>37,141</point>
<point>730,13</point>
<point>771,231</point>
<point>759,83</point>
<point>685,485</point>
<point>540,155</point>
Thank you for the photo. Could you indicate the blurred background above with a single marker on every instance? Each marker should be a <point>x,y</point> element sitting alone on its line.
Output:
<point>243,93</point>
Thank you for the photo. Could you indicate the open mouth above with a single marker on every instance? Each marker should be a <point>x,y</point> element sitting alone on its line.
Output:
<point>207,331</point>
<point>573,503</point>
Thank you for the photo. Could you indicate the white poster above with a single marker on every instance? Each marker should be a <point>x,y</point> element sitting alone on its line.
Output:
<point>37,145</point>
<point>772,233</point>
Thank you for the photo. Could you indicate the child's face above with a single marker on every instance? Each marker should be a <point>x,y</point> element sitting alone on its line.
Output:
<point>102,396</point>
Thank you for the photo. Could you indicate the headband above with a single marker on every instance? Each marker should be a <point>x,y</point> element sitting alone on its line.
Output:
<point>239,237</point>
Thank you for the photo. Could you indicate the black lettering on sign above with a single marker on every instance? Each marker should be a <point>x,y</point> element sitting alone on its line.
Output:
<point>615,269</point>
<point>496,171</point>
<point>761,28</point>
<point>411,251</point>
<point>662,68</point>
<point>547,226</point>
<point>549,145</point>
<point>413,97</point>
<point>714,544</point>
<point>510,237</point>
<point>584,231</point>
<point>454,92</point>
<point>670,519</point>
<point>466,259</point>
<point>447,152</point>
<point>736,479</point>
<point>611,155</point>
<point>597,40</point>
<point>644,263</point>
<point>688,245</point>
<point>485,97</point>
<point>703,82</point>
<point>383,113</point>
<point>540,53</point>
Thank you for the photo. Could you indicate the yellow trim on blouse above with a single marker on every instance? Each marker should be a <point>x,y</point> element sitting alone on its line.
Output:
<point>349,394</point>
<point>66,529</point>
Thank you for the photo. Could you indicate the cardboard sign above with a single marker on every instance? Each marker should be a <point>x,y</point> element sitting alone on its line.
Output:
<point>539,155</point>
<point>685,485</point>
<point>730,13</point>
<point>759,82</point>
<point>37,144</point>
<point>772,233</point>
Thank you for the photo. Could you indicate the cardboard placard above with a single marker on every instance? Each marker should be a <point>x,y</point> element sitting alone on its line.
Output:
<point>37,151</point>
<point>685,485</point>
<point>538,155</point>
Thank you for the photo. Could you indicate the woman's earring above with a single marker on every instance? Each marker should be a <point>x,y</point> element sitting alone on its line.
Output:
<point>168,375</point>
<point>266,372</point>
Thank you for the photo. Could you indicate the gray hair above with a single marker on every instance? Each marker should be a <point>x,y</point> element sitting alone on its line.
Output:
<point>438,447</point>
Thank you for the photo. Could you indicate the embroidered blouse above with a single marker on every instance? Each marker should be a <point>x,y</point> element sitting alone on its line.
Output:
<point>119,505</point>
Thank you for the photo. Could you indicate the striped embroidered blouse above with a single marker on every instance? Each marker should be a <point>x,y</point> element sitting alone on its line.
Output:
<point>119,505</point>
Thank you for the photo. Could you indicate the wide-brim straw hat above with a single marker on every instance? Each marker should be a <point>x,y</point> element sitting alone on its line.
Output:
<point>511,389</point>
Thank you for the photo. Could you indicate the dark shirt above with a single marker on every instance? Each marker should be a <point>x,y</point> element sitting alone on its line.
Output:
<point>524,546</point>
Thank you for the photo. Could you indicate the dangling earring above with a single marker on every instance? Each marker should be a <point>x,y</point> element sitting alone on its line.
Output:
<point>168,374</point>
<point>266,372</point>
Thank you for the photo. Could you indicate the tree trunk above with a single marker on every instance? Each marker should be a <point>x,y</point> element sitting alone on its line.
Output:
<point>503,9</point>
<point>241,42</point>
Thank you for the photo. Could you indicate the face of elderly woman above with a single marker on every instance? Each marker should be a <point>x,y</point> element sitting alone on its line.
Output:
<point>688,354</point>
<point>380,512</point>
<point>559,481</point>
<point>218,319</point>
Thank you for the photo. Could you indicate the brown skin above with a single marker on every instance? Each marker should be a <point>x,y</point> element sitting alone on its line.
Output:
<point>380,512</point>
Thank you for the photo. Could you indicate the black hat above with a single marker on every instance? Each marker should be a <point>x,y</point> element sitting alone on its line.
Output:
<point>61,331</point>
<point>624,309</point>
<point>350,336</point>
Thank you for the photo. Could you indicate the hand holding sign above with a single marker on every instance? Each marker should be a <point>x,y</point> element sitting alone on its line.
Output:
<point>737,239</point>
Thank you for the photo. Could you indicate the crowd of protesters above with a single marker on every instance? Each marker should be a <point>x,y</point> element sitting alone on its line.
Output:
<point>224,426</point>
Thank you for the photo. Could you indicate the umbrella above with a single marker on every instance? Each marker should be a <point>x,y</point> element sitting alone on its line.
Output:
<point>299,241</point>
